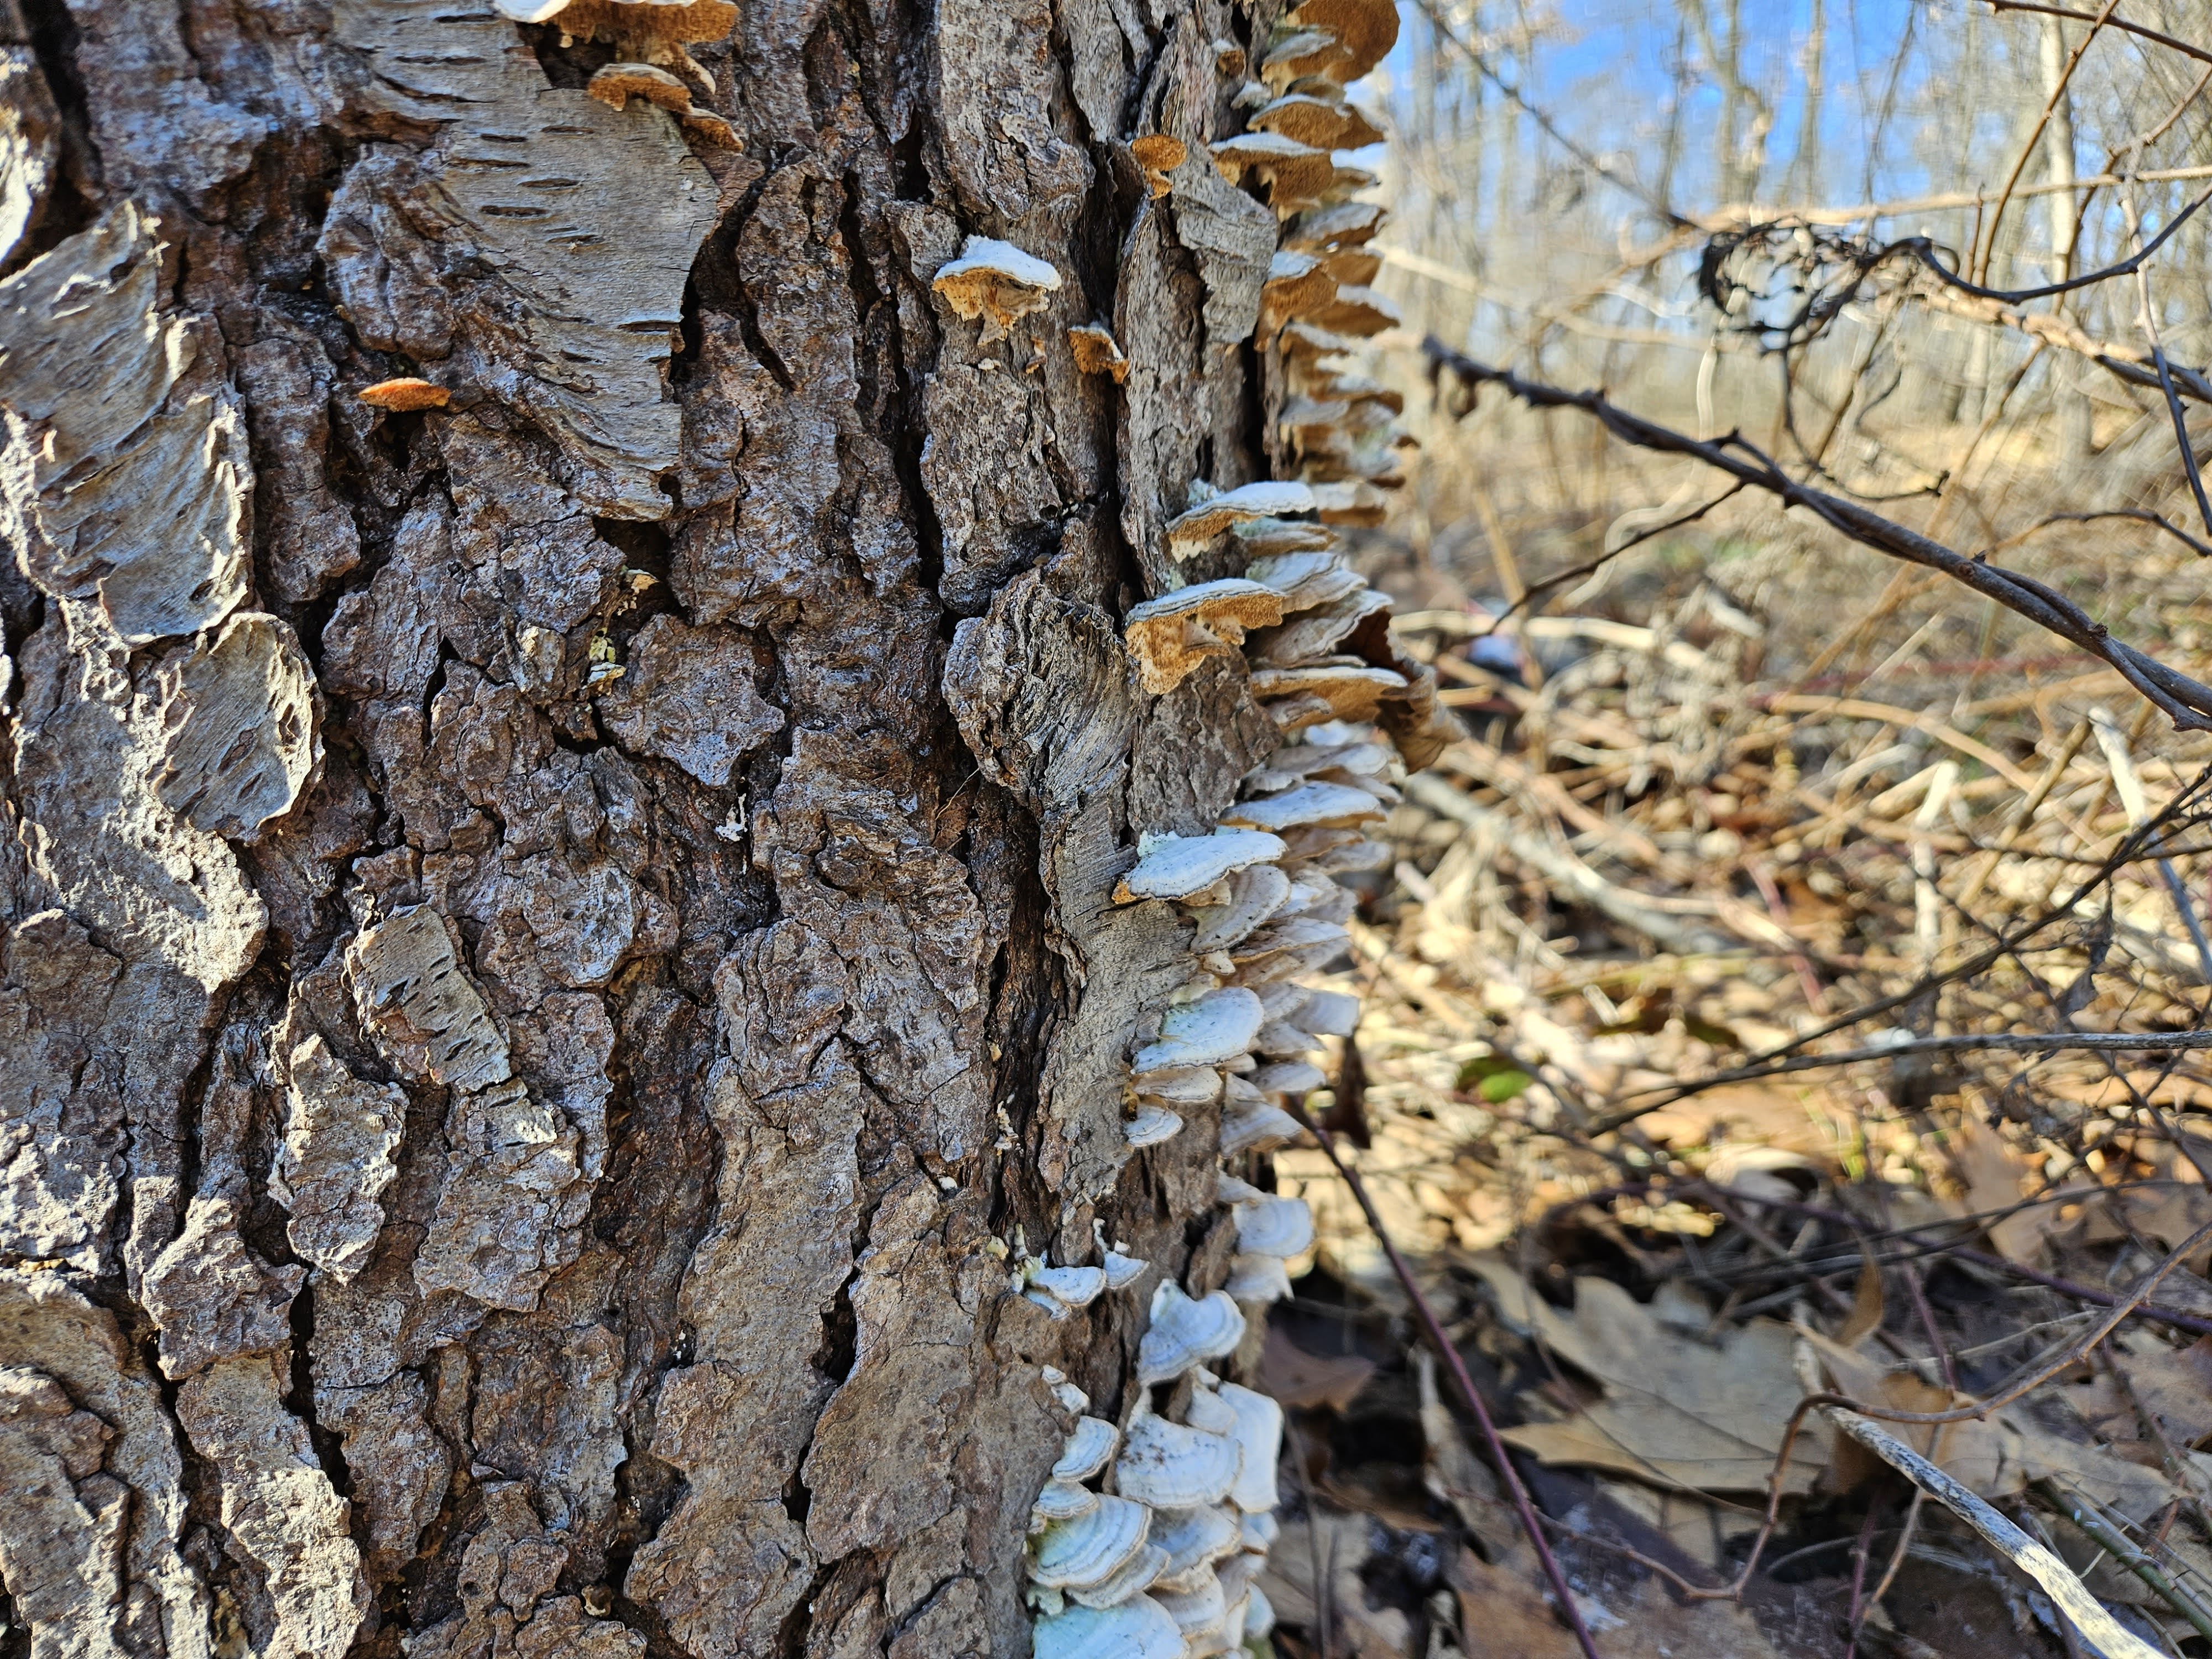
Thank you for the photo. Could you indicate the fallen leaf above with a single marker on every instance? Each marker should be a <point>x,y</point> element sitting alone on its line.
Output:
<point>1997,1456</point>
<point>2174,1385</point>
<point>1675,1411</point>
<point>1313,1573</point>
<point>1297,1379</point>
<point>1504,1614</point>
<point>1990,1171</point>
<point>1867,1302</point>
<point>1452,1472</point>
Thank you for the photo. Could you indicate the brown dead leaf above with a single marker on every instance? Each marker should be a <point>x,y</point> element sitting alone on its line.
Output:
<point>1675,1411</point>
<point>1997,1456</point>
<point>1297,1379</point>
<point>1867,1302</point>
<point>1313,1574</point>
<point>1504,1614</point>
<point>1452,1472</point>
<point>2174,1385</point>
<point>1992,1173</point>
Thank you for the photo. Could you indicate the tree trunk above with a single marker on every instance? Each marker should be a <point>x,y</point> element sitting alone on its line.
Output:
<point>570,750</point>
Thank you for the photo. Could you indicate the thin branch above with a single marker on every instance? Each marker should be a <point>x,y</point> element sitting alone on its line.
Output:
<point>1483,67</point>
<point>1433,1328</point>
<point>2034,138</point>
<point>2187,702</point>
<point>2182,46</point>
<point>2201,549</point>
<point>1924,248</point>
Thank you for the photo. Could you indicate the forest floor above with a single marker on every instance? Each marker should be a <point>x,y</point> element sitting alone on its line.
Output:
<point>1661,867</point>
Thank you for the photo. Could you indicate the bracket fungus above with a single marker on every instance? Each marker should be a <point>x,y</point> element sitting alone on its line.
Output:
<point>1297,176</point>
<point>1328,806</point>
<point>1137,1629</point>
<point>1216,1027</point>
<point>1364,30</point>
<point>1323,123</point>
<point>1157,154</point>
<point>1178,866</point>
<point>1245,1027</point>
<point>1089,1448</point>
<point>1170,635</point>
<point>652,33</point>
<point>997,282</point>
<point>1087,1548</point>
<point>1132,1578</point>
<point>404,394</point>
<point>1185,1331</point>
<point>1173,1465</point>
<point>1095,351</point>
<point>1298,285</point>
<point>1209,515</point>
<point>615,84</point>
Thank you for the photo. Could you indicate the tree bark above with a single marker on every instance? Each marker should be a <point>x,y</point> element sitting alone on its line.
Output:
<point>568,749</point>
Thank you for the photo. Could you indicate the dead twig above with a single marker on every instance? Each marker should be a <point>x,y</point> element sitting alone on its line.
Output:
<point>2187,702</point>
<point>1433,1329</point>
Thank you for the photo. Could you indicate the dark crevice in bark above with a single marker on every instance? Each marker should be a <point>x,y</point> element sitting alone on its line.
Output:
<point>299,1401</point>
<point>71,203</point>
<point>15,1635</point>
<point>792,1638</point>
<point>716,285</point>
<point>841,1334</point>
<point>570,65</point>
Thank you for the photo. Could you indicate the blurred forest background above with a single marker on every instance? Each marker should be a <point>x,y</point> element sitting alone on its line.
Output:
<point>1799,979</point>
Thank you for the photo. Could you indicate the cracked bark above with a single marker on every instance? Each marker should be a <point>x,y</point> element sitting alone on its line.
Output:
<point>495,1156</point>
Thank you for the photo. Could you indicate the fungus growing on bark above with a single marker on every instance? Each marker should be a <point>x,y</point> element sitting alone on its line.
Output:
<point>1138,1628</point>
<point>1328,806</point>
<point>615,84</point>
<point>1170,635</point>
<point>1158,155</point>
<point>1195,529</point>
<point>1342,225</point>
<point>644,33</point>
<point>1298,285</point>
<point>1087,1450</point>
<point>1060,1500</point>
<point>1178,866</point>
<point>404,394</point>
<point>997,282</point>
<point>1216,1027</point>
<point>1323,123</point>
<point>1180,1085</point>
<point>1097,352</point>
<point>1059,1291</point>
<point>1316,631</point>
<point>1131,1579</point>
<point>1297,176</point>
<point>1256,1128</point>
<point>1194,1539</point>
<point>1366,30</point>
<point>1151,1126</point>
<point>1086,1549</point>
<point>1185,1331</point>
<point>1303,52</point>
<point>1357,502</point>
<point>1173,1465</point>
<point>1357,311</point>
<point>1254,895</point>
<point>1268,1225</point>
